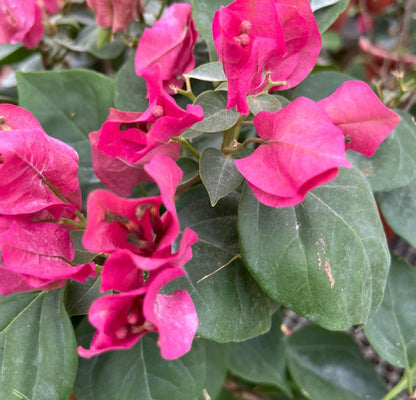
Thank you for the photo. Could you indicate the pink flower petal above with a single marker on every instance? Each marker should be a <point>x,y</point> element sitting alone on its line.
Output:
<point>302,150</point>
<point>361,116</point>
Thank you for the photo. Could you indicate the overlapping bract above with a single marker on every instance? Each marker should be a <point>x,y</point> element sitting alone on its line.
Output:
<point>305,142</point>
<point>38,182</point>
<point>133,138</point>
<point>139,241</point>
<point>21,20</point>
<point>259,40</point>
<point>170,43</point>
<point>116,14</point>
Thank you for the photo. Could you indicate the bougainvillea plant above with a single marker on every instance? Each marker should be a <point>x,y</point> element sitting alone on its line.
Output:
<point>175,177</point>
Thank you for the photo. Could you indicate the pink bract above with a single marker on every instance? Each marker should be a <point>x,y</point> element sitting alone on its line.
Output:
<point>36,171</point>
<point>122,319</point>
<point>364,120</point>
<point>116,14</point>
<point>257,39</point>
<point>38,256</point>
<point>303,149</point>
<point>170,43</point>
<point>136,225</point>
<point>21,21</point>
<point>136,137</point>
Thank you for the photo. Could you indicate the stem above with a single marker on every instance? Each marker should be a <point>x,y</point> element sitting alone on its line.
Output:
<point>401,385</point>
<point>271,84</point>
<point>188,92</point>
<point>228,138</point>
<point>188,146</point>
<point>68,221</point>
<point>161,9</point>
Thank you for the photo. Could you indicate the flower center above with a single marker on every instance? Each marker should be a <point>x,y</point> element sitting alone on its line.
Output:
<point>245,26</point>
<point>158,111</point>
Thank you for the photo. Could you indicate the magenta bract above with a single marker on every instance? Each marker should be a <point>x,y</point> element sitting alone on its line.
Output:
<point>21,21</point>
<point>37,256</point>
<point>170,43</point>
<point>364,120</point>
<point>136,224</point>
<point>116,14</point>
<point>136,137</point>
<point>122,319</point>
<point>258,39</point>
<point>303,149</point>
<point>36,171</point>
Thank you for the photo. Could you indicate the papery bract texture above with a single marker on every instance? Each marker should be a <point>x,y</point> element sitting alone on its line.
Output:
<point>122,319</point>
<point>116,14</point>
<point>170,43</point>
<point>36,171</point>
<point>137,137</point>
<point>364,120</point>
<point>303,149</point>
<point>258,39</point>
<point>136,225</point>
<point>37,256</point>
<point>20,21</point>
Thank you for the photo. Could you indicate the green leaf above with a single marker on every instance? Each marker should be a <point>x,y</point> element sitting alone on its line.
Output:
<point>130,89</point>
<point>219,174</point>
<point>13,53</point>
<point>80,296</point>
<point>103,36</point>
<point>326,16</point>
<point>326,258</point>
<point>394,163</point>
<point>262,359</point>
<point>141,374</point>
<point>190,169</point>
<point>228,300</point>
<point>212,72</point>
<point>37,347</point>
<point>392,329</point>
<point>265,102</point>
<point>329,365</point>
<point>318,4</point>
<point>216,117</point>
<point>319,85</point>
<point>217,359</point>
<point>69,105</point>
<point>203,14</point>
<point>399,209</point>
<point>92,39</point>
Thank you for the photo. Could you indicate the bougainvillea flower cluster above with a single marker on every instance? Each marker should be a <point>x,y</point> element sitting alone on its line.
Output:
<point>262,40</point>
<point>38,182</point>
<point>21,20</point>
<point>116,14</point>
<point>305,142</point>
<point>133,138</point>
<point>139,243</point>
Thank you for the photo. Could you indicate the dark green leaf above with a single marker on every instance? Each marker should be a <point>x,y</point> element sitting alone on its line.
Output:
<point>216,117</point>
<point>69,105</point>
<point>392,329</point>
<point>141,374</point>
<point>203,14</point>
<point>228,300</point>
<point>190,169</point>
<point>80,296</point>
<point>218,174</point>
<point>326,258</point>
<point>264,102</point>
<point>37,347</point>
<point>103,36</point>
<point>13,53</point>
<point>329,365</point>
<point>394,163</point>
<point>217,359</point>
<point>326,16</point>
<point>262,359</point>
<point>212,72</point>
<point>319,85</point>
<point>130,90</point>
<point>399,209</point>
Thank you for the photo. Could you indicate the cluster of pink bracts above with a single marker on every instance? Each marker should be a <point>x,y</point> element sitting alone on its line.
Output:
<point>259,43</point>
